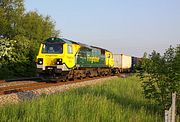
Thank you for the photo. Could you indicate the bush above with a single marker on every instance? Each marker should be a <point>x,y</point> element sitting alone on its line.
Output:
<point>17,57</point>
<point>161,76</point>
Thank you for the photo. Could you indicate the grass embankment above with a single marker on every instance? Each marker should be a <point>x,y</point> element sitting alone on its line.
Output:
<point>118,100</point>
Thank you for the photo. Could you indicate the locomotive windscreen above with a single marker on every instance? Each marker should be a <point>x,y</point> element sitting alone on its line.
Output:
<point>52,48</point>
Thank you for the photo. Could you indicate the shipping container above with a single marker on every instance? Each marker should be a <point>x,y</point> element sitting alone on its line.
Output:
<point>134,63</point>
<point>122,62</point>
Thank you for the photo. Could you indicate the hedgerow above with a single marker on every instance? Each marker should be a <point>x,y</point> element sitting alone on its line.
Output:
<point>161,76</point>
<point>17,58</point>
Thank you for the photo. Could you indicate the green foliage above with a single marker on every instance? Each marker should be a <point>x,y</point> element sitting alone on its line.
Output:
<point>11,13</point>
<point>6,49</point>
<point>117,100</point>
<point>160,76</point>
<point>17,57</point>
<point>36,27</point>
<point>15,21</point>
<point>21,34</point>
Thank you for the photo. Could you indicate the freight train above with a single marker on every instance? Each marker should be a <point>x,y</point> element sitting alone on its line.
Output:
<point>70,60</point>
<point>64,59</point>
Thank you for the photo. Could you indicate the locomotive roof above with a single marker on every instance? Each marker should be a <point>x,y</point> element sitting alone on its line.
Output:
<point>62,40</point>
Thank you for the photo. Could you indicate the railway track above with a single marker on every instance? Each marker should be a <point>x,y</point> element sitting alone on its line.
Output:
<point>23,79</point>
<point>38,85</point>
<point>7,87</point>
<point>2,81</point>
<point>18,88</point>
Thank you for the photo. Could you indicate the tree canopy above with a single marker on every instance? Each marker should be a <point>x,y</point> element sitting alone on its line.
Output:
<point>161,76</point>
<point>20,35</point>
<point>14,20</point>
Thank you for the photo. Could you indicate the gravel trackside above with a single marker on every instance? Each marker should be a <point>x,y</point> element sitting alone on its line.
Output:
<point>21,96</point>
<point>6,84</point>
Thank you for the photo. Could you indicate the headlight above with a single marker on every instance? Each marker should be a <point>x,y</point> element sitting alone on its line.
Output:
<point>59,61</point>
<point>40,61</point>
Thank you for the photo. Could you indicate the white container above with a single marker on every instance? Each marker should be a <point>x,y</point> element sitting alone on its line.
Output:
<point>122,62</point>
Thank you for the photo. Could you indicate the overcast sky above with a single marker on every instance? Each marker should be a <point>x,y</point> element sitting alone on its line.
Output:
<point>122,26</point>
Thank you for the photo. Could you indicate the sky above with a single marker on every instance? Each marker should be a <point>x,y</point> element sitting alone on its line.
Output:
<point>130,27</point>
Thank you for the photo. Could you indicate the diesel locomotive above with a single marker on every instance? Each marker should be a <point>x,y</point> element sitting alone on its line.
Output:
<point>66,59</point>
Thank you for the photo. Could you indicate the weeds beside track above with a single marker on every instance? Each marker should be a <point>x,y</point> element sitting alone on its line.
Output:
<point>119,100</point>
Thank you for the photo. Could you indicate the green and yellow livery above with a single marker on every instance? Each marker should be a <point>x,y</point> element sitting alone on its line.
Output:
<point>63,57</point>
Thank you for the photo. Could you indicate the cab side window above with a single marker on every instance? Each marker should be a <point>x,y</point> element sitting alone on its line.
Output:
<point>110,55</point>
<point>70,49</point>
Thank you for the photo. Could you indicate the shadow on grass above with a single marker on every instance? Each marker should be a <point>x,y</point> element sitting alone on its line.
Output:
<point>122,101</point>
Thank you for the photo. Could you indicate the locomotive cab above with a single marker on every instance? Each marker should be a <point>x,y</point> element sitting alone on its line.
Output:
<point>55,56</point>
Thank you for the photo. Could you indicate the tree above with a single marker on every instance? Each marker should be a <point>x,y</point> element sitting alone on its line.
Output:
<point>38,27</point>
<point>6,49</point>
<point>160,76</point>
<point>11,12</point>
<point>17,57</point>
<point>6,55</point>
<point>15,21</point>
<point>20,35</point>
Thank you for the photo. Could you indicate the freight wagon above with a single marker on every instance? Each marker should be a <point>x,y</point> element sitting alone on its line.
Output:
<point>124,63</point>
<point>135,61</point>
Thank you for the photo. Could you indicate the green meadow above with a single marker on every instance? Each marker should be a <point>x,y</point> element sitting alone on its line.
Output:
<point>119,100</point>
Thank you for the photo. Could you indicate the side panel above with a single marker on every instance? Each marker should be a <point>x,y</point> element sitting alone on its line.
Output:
<point>122,61</point>
<point>109,59</point>
<point>126,62</point>
<point>70,54</point>
<point>117,60</point>
<point>90,58</point>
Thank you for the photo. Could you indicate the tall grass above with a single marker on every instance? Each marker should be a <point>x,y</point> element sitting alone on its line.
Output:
<point>118,100</point>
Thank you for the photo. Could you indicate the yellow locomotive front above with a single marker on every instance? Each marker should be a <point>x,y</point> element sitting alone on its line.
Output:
<point>56,56</point>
